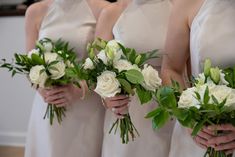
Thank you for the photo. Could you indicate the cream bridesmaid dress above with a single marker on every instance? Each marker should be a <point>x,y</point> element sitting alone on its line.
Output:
<point>81,131</point>
<point>143,26</point>
<point>212,36</point>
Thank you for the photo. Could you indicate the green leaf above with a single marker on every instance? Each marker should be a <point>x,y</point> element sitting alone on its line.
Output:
<point>166,97</point>
<point>160,120</point>
<point>180,114</point>
<point>198,95</point>
<point>147,56</point>
<point>143,95</point>
<point>229,76</point>
<point>37,60</point>
<point>154,113</point>
<point>215,100</point>
<point>126,85</point>
<point>134,76</point>
<point>70,72</point>
<point>206,96</point>
<point>198,127</point>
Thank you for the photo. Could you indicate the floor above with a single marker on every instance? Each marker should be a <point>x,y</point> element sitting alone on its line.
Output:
<point>11,151</point>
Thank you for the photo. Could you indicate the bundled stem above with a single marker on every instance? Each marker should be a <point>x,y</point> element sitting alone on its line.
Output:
<point>126,127</point>
<point>211,152</point>
<point>52,111</point>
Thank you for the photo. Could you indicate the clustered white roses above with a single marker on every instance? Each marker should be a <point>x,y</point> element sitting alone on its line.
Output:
<point>56,66</point>
<point>220,92</point>
<point>113,55</point>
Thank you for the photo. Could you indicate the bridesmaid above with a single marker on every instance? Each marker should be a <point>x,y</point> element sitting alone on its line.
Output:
<point>200,29</point>
<point>80,133</point>
<point>140,24</point>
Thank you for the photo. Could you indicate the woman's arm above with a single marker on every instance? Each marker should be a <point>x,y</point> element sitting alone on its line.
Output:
<point>177,50</point>
<point>104,30</point>
<point>106,21</point>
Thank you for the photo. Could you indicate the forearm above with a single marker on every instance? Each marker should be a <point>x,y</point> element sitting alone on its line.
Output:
<point>169,74</point>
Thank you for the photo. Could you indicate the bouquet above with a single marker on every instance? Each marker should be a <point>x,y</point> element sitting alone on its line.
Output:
<point>119,70</point>
<point>210,101</point>
<point>49,64</point>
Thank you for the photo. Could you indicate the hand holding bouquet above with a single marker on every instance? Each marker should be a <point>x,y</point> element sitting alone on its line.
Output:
<point>49,64</point>
<point>117,70</point>
<point>211,101</point>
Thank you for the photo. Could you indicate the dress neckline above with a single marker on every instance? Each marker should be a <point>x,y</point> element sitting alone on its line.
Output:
<point>145,1</point>
<point>65,3</point>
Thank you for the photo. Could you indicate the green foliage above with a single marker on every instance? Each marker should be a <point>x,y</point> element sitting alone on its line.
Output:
<point>166,97</point>
<point>22,64</point>
<point>126,86</point>
<point>144,95</point>
<point>134,76</point>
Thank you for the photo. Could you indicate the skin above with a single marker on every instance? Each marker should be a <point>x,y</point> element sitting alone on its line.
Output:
<point>175,62</point>
<point>105,24</point>
<point>64,95</point>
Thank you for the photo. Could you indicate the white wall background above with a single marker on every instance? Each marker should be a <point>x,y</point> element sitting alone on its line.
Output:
<point>16,95</point>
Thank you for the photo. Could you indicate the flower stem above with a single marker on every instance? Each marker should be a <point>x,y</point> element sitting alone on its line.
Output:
<point>126,127</point>
<point>52,111</point>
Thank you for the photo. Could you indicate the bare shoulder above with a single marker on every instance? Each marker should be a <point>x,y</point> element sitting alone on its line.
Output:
<point>187,8</point>
<point>97,6</point>
<point>107,20</point>
<point>36,12</point>
<point>112,11</point>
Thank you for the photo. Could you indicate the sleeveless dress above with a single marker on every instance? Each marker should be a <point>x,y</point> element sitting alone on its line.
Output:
<point>81,131</point>
<point>212,36</point>
<point>143,26</point>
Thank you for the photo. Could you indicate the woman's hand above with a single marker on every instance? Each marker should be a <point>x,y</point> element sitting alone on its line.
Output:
<point>118,105</point>
<point>61,96</point>
<point>224,142</point>
<point>201,139</point>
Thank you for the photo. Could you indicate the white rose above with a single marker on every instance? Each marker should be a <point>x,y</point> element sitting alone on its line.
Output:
<point>201,89</point>
<point>57,70</point>
<point>231,99</point>
<point>188,99</point>
<point>50,57</point>
<point>107,85</point>
<point>222,92</point>
<point>48,46</point>
<point>122,65</point>
<point>152,81</point>
<point>102,55</point>
<point>88,64</point>
<point>33,51</point>
<point>37,76</point>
